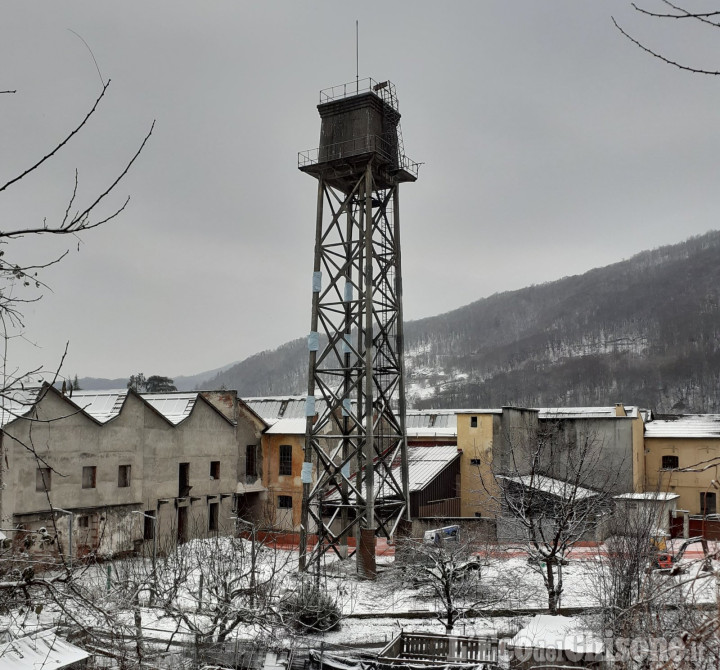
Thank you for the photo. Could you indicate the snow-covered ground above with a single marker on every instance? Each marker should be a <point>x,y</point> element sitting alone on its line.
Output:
<point>373,611</point>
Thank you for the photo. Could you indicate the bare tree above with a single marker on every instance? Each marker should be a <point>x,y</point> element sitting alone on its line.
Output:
<point>452,571</point>
<point>27,585</point>
<point>707,19</point>
<point>551,485</point>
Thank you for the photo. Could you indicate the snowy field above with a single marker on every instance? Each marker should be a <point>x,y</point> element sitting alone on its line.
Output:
<point>115,598</point>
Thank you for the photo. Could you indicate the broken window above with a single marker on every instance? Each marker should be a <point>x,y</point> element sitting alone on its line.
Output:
<point>88,476</point>
<point>473,422</point>
<point>285,502</point>
<point>250,462</point>
<point>184,480</point>
<point>149,525</point>
<point>214,469</point>
<point>42,479</point>
<point>670,462</point>
<point>708,503</point>
<point>123,476</point>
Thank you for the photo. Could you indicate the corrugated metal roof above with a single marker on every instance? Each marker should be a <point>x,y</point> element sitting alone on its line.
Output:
<point>685,426</point>
<point>424,464</point>
<point>584,412</point>
<point>431,422</point>
<point>274,408</point>
<point>39,650</point>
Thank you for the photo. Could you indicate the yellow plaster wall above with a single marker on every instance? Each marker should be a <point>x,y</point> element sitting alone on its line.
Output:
<point>688,485</point>
<point>283,485</point>
<point>476,445</point>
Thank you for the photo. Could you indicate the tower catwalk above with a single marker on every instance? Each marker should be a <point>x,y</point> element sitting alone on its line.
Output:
<point>355,470</point>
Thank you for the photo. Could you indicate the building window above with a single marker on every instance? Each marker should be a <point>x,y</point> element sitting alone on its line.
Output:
<point>250,462</point>
<point>473,422</point>
<point>708,503</point>
<point>285,459</point>
<point>670,462</point>
<point>214,469</point>
<point>149,525</point>
<point>88,476</point>
<point>184,480</point>
<point>214,516</point>
<point>42,479</point>
<point>474,461</point>
<point>123,476</point>
<point>284,502</point>
<point>83,522</point>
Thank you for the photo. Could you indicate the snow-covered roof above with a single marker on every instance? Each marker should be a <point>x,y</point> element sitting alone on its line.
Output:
<point>431,422</point>
<point>659,496</point>
<point>291,426</point>
<point>39,650</point>
<point>100,405</point>
<point>271,409</point>
<point>555,487</point>
<point>15,403</point>
<point>546,631</point>
<point>173,406</point>
<point>106,405</point>
<point>424,464</point>
<point>586,412</point>
<point>685,426</point>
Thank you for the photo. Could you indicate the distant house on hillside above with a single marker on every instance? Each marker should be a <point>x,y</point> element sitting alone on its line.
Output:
<point>123,467</point>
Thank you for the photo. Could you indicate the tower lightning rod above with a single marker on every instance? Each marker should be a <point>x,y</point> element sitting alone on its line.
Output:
<point>357,57</point>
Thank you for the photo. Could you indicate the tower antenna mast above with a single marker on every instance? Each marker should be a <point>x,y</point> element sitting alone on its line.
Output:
<point>357,58</point>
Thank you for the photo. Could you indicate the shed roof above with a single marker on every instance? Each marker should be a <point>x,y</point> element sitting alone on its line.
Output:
<point>552,486</point>
<point>39,650</point>
<point>659,496</point>
<point>424,465</point>
<point>684,426</point>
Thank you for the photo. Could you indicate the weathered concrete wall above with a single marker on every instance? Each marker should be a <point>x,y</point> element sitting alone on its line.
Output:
<point>65,440</point>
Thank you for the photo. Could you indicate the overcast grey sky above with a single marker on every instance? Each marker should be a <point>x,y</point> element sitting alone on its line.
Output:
<point>551,145</point>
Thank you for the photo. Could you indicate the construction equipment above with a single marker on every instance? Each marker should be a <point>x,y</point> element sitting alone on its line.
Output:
<point>665,562</point>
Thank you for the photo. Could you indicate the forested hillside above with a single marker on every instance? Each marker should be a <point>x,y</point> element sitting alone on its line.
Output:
<point>643,331</point>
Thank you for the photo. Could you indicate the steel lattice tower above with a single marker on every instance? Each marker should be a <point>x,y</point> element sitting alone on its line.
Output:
<point>356,365</point>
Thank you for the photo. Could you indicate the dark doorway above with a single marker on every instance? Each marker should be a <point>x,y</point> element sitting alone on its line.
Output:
<point>184,480</point>
<point>182,525</point>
